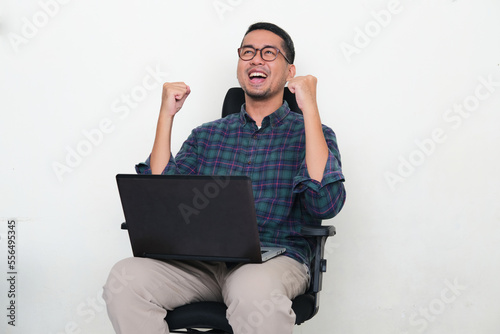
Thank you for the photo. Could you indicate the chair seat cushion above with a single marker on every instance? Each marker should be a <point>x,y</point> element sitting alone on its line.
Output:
<point>199,315</point>
<point>213,314</point>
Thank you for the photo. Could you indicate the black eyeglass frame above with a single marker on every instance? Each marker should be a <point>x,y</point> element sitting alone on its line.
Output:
<point>255,53</point>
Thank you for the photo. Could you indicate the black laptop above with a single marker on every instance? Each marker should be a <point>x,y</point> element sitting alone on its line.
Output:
<point>192,217</point>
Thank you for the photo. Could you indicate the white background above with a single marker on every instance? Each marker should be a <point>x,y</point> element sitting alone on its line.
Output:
<point>418,243</point>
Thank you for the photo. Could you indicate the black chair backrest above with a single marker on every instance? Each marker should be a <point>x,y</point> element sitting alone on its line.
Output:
<point>235,97</point>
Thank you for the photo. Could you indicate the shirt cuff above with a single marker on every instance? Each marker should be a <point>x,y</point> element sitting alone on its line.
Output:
<point>332,173</point>
<point>145,167</point>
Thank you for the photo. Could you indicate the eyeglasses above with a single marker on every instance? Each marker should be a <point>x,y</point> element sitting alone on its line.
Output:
<point>268,53</point>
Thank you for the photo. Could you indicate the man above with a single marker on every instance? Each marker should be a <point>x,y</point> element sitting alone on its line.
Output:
<point>294,165</point>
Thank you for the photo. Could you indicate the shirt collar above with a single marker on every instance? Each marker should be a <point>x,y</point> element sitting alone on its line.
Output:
<point>275,118</point>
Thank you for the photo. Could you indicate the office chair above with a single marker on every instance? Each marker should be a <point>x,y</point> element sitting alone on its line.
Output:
<point>211,316</point>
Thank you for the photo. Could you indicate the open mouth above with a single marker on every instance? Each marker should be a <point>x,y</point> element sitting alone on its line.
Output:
<point>257,76</point>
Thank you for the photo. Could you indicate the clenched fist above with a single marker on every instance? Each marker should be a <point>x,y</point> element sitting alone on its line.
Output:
<point>304,88</point>
<point>173,96</point>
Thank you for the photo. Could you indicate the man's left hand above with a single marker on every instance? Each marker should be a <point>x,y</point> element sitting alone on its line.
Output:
<point>304,88</point>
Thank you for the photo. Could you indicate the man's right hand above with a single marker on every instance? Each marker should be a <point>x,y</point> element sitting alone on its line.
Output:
<point>173,96</point>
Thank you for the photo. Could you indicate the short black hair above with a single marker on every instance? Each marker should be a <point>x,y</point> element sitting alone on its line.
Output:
<point>288,47</point>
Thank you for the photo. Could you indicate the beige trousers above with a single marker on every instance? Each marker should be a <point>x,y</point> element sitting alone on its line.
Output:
<point>139,292</point>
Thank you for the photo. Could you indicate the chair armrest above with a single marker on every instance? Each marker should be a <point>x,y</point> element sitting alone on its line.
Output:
<point>318,231</point>
<point>318,266</point>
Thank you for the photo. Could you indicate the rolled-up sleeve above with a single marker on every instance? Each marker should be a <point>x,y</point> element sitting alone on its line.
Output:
<point>185,161</point>
<point>145,167</point>
<point>324,199</point>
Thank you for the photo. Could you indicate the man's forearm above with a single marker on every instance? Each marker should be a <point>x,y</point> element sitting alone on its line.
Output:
<point>160,154</point>
<point>316,147</point>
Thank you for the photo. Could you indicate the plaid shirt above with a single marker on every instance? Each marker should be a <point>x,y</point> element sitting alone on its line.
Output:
<point>274,158</point>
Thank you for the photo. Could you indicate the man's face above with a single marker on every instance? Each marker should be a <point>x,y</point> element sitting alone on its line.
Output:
<point>272,76</point>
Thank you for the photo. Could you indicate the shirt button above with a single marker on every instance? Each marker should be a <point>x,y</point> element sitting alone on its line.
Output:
<point>249,162</point>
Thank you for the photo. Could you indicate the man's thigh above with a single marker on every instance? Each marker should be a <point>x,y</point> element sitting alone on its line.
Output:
<point>279,277</point>
<point>166,283</point>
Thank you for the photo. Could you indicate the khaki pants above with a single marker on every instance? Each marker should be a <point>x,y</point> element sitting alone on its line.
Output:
<point>139,292</point>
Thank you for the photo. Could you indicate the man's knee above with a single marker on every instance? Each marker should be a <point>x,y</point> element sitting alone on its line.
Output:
<point>264,301</point>
<point>254,299</point>
<point>122,278</point>
<point>251,311</point>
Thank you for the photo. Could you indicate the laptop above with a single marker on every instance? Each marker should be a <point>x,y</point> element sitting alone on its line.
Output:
<point>192,217</point>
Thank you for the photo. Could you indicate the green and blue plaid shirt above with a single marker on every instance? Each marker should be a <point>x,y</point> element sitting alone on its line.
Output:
<point>273,156</point>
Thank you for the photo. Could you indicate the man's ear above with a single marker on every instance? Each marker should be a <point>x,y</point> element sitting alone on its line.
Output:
<point>291,72</point>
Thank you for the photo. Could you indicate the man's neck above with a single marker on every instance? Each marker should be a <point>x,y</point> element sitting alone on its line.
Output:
<point>259,109</point>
